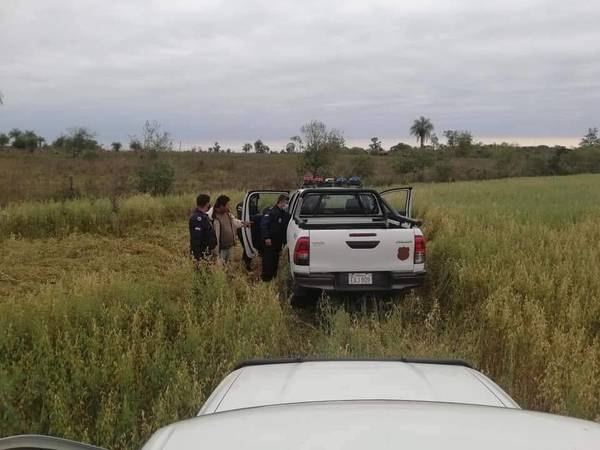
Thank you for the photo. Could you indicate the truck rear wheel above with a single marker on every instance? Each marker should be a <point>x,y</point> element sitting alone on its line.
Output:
<point>303,297</point>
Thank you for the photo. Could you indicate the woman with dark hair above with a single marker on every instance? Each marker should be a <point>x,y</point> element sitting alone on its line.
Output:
<point>225,225</point>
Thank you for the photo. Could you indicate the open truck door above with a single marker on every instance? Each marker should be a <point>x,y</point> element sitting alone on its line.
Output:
<point>37,442</point>
<point>399,199</point>
<point>255,202</point>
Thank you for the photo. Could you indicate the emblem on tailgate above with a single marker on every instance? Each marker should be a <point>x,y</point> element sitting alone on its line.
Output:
<point>403,253</point>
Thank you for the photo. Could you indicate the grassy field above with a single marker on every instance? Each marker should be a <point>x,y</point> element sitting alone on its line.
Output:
<point>106,331</point>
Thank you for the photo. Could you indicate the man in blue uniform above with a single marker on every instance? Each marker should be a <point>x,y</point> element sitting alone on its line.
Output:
<point>203,239</point>
<point>273,227</point>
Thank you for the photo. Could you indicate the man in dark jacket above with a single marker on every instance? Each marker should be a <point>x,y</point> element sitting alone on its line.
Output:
<point>273,227</point>
<point>202,234</point>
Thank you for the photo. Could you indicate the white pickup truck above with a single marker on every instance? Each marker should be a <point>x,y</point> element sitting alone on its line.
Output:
<point>346,239</point>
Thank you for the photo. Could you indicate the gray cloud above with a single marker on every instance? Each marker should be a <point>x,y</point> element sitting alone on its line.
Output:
<point>240,69</point>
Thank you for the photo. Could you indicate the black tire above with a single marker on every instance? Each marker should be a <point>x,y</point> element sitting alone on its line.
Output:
<point>303,297</point>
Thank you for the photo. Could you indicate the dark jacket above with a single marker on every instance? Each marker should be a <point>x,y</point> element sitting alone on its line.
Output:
<point>273,225</point>
<point>202,235</point>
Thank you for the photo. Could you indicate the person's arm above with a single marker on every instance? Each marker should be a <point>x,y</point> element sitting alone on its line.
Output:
<point>237,223</point>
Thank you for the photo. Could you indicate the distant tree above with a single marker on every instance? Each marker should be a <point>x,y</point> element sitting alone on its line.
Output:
<point>259,147</point>
<point>591,138</point>
<point>135,145</point>
<point>247,147</point>
<point>422,129</point>
<point>462,141</point>
<point>290,147</point>
<point>451,137</point>
<point>228,150</point>
<point>26,140</point>
<point>400,147</point>
<point>375,147</point>
<point>321,145</point>
<point>1,98</point>
<point>116,146</point>
<point>435,142</point>
<point>76,141</point>
<point>154,138</point>
<point>216,148</point>
<point>4,140</point>
<point>465,140</point>
<point>298,144</point>
<point>59,142</point>
<point>14,133</point>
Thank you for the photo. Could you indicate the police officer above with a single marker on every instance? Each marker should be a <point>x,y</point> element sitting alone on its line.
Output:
<point>203,239</point>
<point>273,226</point>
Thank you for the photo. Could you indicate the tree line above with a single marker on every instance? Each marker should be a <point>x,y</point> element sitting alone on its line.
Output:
<point>314,136</point>
<point>317,148</point>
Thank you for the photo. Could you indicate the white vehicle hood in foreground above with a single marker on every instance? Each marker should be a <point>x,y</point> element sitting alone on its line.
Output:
<point>273,384</point>
<point>379,425</point>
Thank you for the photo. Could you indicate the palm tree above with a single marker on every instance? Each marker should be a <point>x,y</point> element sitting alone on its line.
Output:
<point>422,129</point>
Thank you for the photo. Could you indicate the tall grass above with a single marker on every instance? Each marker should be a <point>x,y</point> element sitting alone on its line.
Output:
<point>109,355</point>
<point>100,216</point>
<point>110,362</point>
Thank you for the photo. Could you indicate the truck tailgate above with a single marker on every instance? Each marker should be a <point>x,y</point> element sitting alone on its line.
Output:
<point>367,250</point>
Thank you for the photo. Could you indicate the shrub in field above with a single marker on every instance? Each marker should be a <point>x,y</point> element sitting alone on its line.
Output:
<point>77,141</point>
<point>361,165</point>
<point>156,179</point>
<point>442,171</point>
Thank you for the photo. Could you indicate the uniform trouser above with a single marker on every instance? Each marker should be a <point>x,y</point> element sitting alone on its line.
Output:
<point>200,254</point>
<point>270,262</point>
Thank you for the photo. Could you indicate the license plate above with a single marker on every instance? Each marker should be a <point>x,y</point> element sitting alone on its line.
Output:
<point>360,278</point>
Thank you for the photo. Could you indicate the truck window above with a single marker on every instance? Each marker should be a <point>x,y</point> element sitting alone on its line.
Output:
<point>339,204</point>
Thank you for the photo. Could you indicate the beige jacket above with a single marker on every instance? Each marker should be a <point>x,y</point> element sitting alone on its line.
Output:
<point>235,223</point>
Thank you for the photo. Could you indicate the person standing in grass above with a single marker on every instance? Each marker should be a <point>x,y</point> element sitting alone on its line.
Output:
<point>225,225</point>
<point>273,226</point>
<point>203,239</point>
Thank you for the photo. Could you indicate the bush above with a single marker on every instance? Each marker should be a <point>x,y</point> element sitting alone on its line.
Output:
<point>156,179</point>
<point>412,161</point>
<point>443,171</point>
<point>361,165</point>
<point>77,141</point>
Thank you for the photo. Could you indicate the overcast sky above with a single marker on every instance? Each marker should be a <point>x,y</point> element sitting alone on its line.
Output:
<point>237,70</point>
